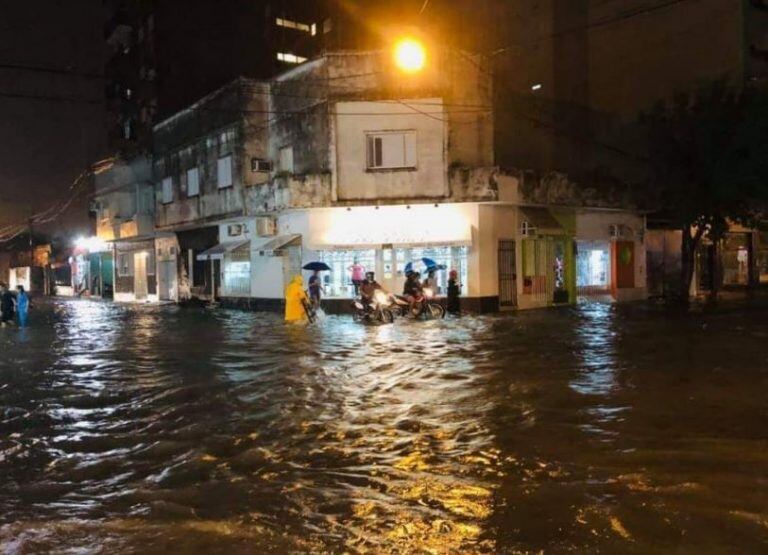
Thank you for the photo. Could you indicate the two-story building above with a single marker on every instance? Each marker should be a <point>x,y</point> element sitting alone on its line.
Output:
<point>347,160</point>
<point>124,204</point>
<point>205,157</point>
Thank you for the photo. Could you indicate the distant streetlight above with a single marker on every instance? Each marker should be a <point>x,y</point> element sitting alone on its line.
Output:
<point>410,55</point>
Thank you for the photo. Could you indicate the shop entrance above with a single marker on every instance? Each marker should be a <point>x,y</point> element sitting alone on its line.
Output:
<point>140,287</point>
<point>507,275</point>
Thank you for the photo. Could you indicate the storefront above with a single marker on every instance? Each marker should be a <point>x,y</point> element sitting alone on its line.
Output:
<point>547,257</point>
<point>593,268</point>
<point>610,255</point>
<point>389,265</point>
<point>135,271</point>
<point>384,240</point>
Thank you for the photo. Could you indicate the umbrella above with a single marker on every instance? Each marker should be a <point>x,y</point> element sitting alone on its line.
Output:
<point>317,266</point>
<point>432,265</point>
<point>408,268</point>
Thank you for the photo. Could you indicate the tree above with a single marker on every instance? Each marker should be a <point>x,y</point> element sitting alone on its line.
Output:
<point>708,154</point>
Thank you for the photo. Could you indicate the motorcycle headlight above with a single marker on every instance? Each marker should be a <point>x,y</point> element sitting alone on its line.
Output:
<point>428,293</point>
<point>380,297</point>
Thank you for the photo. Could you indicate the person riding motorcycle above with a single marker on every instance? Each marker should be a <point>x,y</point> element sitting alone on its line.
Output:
<point>368,289</point>
<point>413,289</point>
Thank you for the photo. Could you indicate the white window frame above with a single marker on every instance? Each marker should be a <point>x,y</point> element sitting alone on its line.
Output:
<point>382,151</point>
<point>224,172</point>
<point>166,190</point>
<point>193,178</point>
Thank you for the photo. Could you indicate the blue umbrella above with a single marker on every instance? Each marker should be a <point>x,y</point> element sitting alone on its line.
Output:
<point>432,265</point>
<point>317,266</point>
<point>409,268</point>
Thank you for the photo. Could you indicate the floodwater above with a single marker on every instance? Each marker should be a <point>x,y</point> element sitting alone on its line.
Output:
<point>597,428</point>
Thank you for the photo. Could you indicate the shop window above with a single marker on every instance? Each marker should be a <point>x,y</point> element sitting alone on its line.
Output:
<point>338,282</point>
<point>736,259</point>
<point>391,150</point>
<point>237,274</point>
<point>167,190</point>
<point>224,172</point>
<point>193,182</point>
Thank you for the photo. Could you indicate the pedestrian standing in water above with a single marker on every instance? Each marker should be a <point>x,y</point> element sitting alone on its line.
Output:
<point>315,287</point>
<point>453,305</point>
<point>295,299</point>
<point>22,306</point>
<point>6,305</point>
<point>358,275</point>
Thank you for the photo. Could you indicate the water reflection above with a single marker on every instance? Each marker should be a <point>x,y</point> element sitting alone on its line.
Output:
<point>154,429</point>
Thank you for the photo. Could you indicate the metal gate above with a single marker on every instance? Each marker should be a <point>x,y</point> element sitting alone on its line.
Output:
<point>507,275</point>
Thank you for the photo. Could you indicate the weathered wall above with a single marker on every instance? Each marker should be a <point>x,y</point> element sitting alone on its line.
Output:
<point>426,180</point>
<point>231,121</point>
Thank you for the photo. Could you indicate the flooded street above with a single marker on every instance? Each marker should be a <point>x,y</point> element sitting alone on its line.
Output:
<point>613,429</point>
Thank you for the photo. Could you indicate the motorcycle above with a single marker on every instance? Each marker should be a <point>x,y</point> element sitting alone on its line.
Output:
<point>375,311</point>
<point>424,305</point>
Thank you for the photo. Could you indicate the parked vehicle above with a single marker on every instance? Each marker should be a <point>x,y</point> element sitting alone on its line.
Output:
<point>375,311</point>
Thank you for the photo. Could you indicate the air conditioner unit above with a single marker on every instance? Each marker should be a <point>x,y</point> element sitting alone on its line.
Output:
<point>260,165</point>
<point>265,226</point>
<point>526,229</point>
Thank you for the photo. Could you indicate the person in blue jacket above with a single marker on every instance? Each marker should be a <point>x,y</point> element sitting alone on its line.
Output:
<point>22,306</point>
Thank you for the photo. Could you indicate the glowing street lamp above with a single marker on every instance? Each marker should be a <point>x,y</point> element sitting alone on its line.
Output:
<point>410,55</point>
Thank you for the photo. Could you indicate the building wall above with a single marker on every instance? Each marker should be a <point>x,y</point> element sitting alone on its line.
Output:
<point>230,121</point>
<point>355,182</point>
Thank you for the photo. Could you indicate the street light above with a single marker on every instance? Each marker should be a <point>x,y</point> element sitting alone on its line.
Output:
<point>410,55</point>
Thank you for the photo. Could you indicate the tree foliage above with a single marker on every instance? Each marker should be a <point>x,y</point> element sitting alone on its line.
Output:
<point>709,163</point>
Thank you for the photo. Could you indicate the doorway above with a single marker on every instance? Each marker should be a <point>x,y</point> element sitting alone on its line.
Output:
<point>507,275</point>
<point>140,288</point>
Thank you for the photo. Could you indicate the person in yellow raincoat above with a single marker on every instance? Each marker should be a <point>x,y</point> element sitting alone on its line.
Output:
<point>295,297</point>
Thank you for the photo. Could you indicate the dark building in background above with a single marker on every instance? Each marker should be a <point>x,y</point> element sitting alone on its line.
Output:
<point>163,55</point>
<point>574,76</point>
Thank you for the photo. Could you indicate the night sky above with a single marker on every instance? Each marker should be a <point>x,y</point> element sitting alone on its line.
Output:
<point>51,50</point>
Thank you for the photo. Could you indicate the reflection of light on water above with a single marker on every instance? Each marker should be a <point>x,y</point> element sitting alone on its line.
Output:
<point>597,373</point>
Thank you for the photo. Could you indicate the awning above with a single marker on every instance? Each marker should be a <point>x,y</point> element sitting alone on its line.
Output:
<point>270,247</point>
<point>542,220</point>
<point>217,252</point>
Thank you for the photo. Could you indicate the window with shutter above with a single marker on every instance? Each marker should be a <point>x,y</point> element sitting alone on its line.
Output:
<point>391,150</point>
<point>224,172</point>
<point>193,182</point>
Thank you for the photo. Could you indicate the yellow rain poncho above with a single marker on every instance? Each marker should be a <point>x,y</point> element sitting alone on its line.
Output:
<point>294,297</point>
